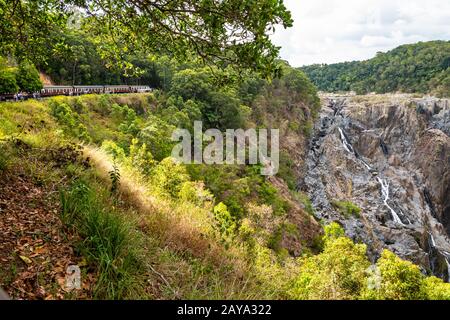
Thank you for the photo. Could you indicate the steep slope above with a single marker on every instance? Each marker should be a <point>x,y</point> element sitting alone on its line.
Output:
<point>389,155</point>
<point>140,225</point>
<point>165,232</point>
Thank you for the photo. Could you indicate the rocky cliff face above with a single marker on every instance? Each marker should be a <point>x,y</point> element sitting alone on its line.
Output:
<point>389,155</point>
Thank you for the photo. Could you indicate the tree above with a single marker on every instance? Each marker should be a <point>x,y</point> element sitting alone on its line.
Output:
<point>224,221</point>
<point>399,279</point>
<point>299,83</point>
<point>8,82</point>
<point>169,177</point>
<point>422,67</point>
<point>218,32</point>
<point>337,273</point>
<point>28,77</point>
<point>220,107</point>
<point>25,26</point>
<point>343,271</point>
<point>192,84</point>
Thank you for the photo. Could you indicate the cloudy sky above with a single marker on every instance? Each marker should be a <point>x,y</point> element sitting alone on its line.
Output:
<point>328,31</point>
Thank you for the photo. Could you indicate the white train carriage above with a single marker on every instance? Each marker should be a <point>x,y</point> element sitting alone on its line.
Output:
<point>77,90</point>
<point>94,89</point>
<point>56,90</point>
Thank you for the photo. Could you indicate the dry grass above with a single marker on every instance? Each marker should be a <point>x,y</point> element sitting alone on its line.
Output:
<point>187,260</point>
<point>180,226</point>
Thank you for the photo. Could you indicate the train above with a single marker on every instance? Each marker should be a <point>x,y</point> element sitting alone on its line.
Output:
<point>52,90</point>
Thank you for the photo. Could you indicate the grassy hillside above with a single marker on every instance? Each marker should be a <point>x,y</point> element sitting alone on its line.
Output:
<point>423,67</point>
<point>125,207</point>
<point>87,181</point>
<point>132,241</point>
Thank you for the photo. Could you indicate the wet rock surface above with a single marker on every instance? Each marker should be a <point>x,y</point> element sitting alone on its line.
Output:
<point>389,155</point>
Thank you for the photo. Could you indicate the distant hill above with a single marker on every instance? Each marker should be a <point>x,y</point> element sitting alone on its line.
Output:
<point>423,67</point>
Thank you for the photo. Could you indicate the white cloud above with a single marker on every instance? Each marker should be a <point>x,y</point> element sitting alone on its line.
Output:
<point>328,31</point>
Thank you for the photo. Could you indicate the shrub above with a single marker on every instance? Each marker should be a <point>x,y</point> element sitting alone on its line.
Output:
<point>114,175</point>
<point>140,157</point>
<point>181,114</point>
<point>269,195</point>
<point>114,150</point>
<point>195,193</point>
<point>156,134</point>
<point>127,119</point>
<point>307,128</point>
<point>339,272</point>
<point>27,77</point>
<point>224,222</point>
<point>168,177</point>
<point>333,231</point>
<point>307,204</point>
<point>275,277</point>
<point>346,208</point>
<point>275,240</point>
<point>436,289</point>
<point>399,279</point>
<point>287,170</point>
<point>69,120</point>
<point>8,82</point>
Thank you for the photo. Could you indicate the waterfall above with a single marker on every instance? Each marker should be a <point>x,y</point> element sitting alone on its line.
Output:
<point>383,183</point>
<point>433,243</point>
<point>356,150</point>
<point>347,146</point>
<point>447,260</point>
<point>385,192</point>
<point>365,163</point>
<point>448,268</point>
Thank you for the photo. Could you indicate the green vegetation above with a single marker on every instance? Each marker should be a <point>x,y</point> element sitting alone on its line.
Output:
<point>174,231</point>
<point>106,240</point>
<point>204,33</point>
<point>8,83</point>
<point>343,271</point>
<point>213,205</point>
<point>28,77</point>
<point>23,77</point>
<point>346,208</point>
<point>423,68</point>
<point>144,226</point>
<point>339,272</point>
<point>304,199</point>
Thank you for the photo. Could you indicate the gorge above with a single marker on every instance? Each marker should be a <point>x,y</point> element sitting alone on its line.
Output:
<point>389,155</point>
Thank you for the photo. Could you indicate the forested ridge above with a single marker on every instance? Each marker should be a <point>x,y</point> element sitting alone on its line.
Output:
<point>423,67</point>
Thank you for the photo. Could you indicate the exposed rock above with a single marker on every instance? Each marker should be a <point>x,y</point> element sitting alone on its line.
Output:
<point>390,155</point>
